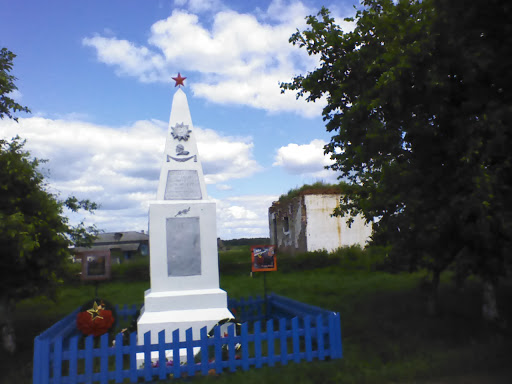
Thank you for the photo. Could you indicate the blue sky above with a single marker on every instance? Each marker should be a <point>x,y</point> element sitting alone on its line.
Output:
<point>97,76</point>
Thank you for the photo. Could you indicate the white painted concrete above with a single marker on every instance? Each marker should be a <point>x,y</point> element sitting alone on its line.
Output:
<point>331,233</point>
<point>180,114</point>
<point>184,267</point>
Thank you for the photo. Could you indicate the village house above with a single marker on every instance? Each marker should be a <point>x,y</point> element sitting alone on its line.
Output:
<point>126,244</point>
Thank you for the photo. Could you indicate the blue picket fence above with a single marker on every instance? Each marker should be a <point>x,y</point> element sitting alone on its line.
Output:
<point>274,331</point>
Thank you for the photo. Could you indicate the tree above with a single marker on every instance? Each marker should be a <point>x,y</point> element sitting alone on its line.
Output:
<point>417,103</point>
<point>7,104</point>
<point>35,236</point>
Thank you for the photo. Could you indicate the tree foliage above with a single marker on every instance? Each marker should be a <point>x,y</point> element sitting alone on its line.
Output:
<point>419,101</point>
<point>7,105</point>
<point>35,235</point>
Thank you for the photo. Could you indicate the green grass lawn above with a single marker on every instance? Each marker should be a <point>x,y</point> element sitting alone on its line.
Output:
<point>387,336</point>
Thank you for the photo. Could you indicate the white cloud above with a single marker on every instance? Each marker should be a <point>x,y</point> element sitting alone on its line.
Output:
<point>198,6</point>
<point>223,187</point>
<point>306,159</point>
<point>244,216</point>
<point>236,58</point>
<point>118,167</point>
<point>129,59</point>
<point>225,158</point>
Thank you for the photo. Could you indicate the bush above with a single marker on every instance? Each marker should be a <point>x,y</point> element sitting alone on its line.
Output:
<point>353,257</point>
<point>133,270</point>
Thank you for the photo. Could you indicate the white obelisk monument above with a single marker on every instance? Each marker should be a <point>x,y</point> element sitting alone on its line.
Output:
<point>184,267</point>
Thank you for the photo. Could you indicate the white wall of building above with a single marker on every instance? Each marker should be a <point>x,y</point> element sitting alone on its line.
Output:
<point>330,233</point>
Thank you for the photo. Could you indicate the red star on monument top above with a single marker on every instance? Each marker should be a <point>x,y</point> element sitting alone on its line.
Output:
<point>179,80</point>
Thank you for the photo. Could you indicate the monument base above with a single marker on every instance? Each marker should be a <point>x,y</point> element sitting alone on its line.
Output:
<point>184,300</point>
<point>209,308</point>
<point>190,309</point>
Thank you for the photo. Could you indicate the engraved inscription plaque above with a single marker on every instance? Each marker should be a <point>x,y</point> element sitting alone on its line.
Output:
<point>183,246</point>
<point>182,185</point>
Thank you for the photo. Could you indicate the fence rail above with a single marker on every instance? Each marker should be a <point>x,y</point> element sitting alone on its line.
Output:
<point>62,356</point>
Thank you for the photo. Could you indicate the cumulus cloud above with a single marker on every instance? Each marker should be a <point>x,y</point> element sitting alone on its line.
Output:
<point>306,159</point>
<point>225,158</point>
<point>129,59</point>
<point>223,187</point>
<point>199,6</point>
<point>235,58</point>
<point>119,167</point>
<point>244,216</point>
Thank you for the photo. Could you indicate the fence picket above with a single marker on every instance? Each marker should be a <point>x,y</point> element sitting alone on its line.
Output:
<point>133,357</point>
<point>338,336</point>
<point>162,363</point>
<point>307,338</point>
<point>245,346</point>
<point>73,359</point>
<point>217,350</point>
<point>295,339</point>
<point>332,336</point>
<point>57,360</point>
<point>257,344</point>
<point>204,351</point>
<point>104,358</point>
<point>231,348</point>
<point>119,358</point>
<point>176,367</point>
<point>283,341</point>
<point>320,337</point>
<point>147,356</point>
<point>270,342</point>
<point>88,359</point>
<point>189,339</point>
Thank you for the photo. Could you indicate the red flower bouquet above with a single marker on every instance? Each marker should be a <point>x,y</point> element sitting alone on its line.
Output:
<point>95,321</point>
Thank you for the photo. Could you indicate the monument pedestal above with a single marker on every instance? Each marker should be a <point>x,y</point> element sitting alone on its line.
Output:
<point>184,271</point>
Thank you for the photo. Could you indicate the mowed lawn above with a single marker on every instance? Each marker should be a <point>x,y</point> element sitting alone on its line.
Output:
<point>387,335</point>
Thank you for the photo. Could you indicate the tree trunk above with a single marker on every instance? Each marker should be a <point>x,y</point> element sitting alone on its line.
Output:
<point>8,335</point>
<point>433,297</point>
<point>489,307</point>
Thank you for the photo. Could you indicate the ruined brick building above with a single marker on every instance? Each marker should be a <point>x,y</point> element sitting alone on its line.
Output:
<point>304,223</point>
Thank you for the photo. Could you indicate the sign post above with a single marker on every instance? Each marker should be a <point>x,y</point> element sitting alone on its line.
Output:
<point>264,260</point>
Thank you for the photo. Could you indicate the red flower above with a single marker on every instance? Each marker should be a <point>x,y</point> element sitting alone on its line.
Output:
<point>95,325</point>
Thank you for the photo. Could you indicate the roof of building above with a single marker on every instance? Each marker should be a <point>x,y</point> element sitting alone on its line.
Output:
<point>121,237</point>
<point>123,241</point>
<point>318,188</point>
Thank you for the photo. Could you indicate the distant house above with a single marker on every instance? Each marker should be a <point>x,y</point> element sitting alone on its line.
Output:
<point>304,223</point>
<point>127,243</point>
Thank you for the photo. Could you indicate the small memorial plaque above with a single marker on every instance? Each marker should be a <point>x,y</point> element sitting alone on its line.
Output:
<point>182,185</point>
<point>95,265</point>
<point>183,246</point>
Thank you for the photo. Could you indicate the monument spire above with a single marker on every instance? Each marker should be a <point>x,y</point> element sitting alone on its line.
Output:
<point>181,176</point>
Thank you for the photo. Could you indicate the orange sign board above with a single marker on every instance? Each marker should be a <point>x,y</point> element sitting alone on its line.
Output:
<point>263,258</point>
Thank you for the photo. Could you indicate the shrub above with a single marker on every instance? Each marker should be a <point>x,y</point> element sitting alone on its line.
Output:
<point>132,270</point>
